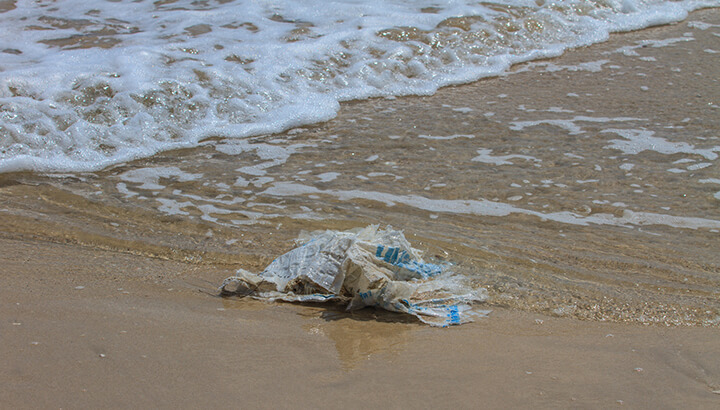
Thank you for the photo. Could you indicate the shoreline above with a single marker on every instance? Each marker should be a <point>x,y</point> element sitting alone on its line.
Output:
<point>459,65</point>
<point>113,305</point>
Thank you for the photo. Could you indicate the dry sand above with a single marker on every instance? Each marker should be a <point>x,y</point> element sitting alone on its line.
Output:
<point>87,327</point>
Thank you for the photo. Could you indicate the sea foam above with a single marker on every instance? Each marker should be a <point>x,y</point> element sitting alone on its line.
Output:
<point>84,85</point>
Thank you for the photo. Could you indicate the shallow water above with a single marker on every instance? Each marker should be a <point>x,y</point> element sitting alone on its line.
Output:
<point>585,186</point>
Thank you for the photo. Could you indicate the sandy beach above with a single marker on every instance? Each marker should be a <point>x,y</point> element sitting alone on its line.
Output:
<point>150,338</point>
<point>110,301</point>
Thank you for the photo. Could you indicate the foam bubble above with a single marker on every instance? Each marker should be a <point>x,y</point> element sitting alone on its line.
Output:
<point>487,157</point>
<point>149,178</point>
<point>446,137</point>
<point>494,208</point>
<point>636,141</point>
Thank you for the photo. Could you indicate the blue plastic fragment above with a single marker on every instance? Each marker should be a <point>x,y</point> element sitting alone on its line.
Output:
<point>402,259</point>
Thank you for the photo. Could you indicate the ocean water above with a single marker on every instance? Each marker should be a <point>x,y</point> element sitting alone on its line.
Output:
<point>212,132</point>
<point>84,85</point>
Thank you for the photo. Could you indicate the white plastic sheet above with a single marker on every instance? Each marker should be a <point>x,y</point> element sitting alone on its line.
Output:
<point>368,267</point>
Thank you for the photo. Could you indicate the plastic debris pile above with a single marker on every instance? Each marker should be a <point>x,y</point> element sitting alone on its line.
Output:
<point>367,267</point>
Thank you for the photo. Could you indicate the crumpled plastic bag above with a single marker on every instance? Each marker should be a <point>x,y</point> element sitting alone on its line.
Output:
<point>368,267</point>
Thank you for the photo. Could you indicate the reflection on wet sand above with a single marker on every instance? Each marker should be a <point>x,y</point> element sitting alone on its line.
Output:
<point>363,334</point>
<point>357,336</point>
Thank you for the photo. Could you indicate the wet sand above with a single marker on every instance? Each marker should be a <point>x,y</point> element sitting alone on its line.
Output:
<point>151,337</point>
<point>108,302</point>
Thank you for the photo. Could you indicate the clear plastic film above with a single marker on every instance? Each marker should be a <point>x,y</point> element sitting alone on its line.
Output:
<point>368,267</point>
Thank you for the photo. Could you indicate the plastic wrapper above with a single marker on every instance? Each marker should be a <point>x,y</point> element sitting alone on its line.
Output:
<point>368,267</point>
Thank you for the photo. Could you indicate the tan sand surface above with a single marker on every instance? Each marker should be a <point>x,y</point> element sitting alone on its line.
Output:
<point>152,337</point>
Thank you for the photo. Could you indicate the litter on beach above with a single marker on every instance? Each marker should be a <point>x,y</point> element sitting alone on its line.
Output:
<point>364,267</point>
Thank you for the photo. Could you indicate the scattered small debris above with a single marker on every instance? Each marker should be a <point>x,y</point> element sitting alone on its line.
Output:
<point>638,369</point>
<point>35,343</point>
<point>539,321</point>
